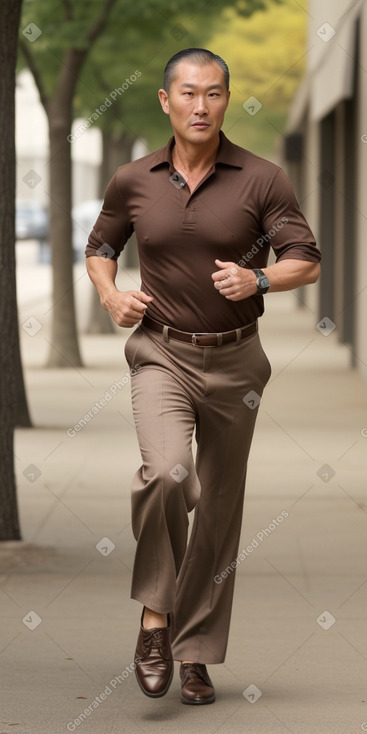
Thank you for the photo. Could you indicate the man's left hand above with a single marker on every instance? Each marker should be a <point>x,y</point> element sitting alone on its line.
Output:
<point>234,282</point>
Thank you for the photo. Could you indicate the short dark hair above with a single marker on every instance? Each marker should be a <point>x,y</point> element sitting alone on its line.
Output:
<point>198,56</point>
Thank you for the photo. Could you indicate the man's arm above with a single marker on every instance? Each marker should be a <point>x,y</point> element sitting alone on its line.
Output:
<point>236,283</point>
<point>288,274</point>
<point>126,308</point>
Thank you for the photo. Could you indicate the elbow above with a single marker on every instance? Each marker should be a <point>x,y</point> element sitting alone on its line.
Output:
<point>313,273</point>
<point>316,272</point>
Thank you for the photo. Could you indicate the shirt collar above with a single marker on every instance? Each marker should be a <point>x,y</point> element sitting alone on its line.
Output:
<point>227,154</point>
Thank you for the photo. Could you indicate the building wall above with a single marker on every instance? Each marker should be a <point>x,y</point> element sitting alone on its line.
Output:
<point>331,173</point>
<point>319,12</point>
<point>361,265</point>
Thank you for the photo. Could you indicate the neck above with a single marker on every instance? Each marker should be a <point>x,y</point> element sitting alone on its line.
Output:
<point>194,157</point>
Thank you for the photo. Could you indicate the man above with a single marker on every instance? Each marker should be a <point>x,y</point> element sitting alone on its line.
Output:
<point>205,213</point>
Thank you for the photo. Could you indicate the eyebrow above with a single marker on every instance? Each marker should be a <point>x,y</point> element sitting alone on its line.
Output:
<point>194,86</point>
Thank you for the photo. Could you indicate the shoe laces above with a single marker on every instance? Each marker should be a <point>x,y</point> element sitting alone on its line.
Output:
<point>192,671</point>
<point>154,638</point>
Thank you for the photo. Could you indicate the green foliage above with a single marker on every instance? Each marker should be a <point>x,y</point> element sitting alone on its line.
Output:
<point>263,42</point>
<point>137,109</point>
<point>140,35</point>
<point>266,55</point>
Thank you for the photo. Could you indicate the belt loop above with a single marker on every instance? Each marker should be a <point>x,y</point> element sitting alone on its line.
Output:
<point>219,340</point>
<point>165,333</point>
<point>238,335</point>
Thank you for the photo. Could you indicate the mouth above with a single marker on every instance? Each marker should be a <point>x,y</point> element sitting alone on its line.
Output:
<point>200,125</point>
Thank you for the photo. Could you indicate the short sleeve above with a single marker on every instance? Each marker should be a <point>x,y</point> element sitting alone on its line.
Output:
<point>285,225</point>
<point>113,227</point>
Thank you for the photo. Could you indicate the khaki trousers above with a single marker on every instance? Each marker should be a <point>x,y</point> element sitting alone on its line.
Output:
<point>178,388</point>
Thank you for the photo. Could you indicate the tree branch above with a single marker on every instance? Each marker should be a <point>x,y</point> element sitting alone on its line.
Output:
<point>98,76</point>
<point>100,23</point>
<point>33,68</point>
<point>74,58</point>
<point>68,9</point>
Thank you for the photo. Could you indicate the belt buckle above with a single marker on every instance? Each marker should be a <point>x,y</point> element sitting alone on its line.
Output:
<point>194,341</point>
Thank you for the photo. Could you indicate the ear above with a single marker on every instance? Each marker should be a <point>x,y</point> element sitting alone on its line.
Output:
<point>228,97</point>
<point>163,98</point>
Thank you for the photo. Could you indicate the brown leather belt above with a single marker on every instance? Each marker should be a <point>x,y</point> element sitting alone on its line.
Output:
<point>201,339</point>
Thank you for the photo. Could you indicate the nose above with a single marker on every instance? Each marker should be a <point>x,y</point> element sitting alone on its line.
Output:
<point>201,106</point>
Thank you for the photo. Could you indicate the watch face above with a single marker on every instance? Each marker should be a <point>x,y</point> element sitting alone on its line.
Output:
<point>263,283</point>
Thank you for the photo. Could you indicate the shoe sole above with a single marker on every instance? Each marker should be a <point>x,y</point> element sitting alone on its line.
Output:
<point>198,701</point>
<point>155,695</point>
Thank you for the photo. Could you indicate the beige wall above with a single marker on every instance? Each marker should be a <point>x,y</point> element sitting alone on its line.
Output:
<point>310,204</point>
<point>361,294</point>
<point>321,11</point>
<point>332,11</point>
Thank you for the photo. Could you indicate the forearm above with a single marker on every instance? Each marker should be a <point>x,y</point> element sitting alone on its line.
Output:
<point>236,283</point>
<point>102,273</point>
<point>286,275</point>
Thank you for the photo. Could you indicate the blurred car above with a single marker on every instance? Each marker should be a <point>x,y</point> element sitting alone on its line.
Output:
<point>84,216</point>
<point>31,221</point>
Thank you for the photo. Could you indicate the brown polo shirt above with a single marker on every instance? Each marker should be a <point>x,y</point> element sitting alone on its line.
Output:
<point>242,207</point>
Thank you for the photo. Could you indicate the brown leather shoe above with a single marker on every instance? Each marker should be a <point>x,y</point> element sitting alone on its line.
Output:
<point>153,660</point>
<point>197,687</point>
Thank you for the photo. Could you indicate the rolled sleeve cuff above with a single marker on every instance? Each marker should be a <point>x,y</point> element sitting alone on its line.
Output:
<point>304,251</point>
<point>97,246</point>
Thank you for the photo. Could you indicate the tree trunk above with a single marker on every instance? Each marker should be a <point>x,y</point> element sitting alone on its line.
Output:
<point>64,348</point>
<point>99,321</point>
<point>9,22</point>
<point>22,416</point>
<point>116,150</point>
<point>119,152</point>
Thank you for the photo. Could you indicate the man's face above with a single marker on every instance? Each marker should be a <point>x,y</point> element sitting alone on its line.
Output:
<point>196,101</point>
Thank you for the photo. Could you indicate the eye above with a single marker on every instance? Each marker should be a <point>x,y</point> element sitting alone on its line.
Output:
<point>189,93</point>
<point>214,94</point>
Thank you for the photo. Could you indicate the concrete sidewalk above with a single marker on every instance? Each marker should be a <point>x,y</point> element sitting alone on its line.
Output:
<point>297,656</point>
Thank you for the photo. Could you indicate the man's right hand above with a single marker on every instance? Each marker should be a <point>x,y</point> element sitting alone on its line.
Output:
<point>126,308</point>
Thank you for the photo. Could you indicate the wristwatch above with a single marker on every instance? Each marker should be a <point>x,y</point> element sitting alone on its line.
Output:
<point>262,281</point>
